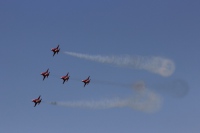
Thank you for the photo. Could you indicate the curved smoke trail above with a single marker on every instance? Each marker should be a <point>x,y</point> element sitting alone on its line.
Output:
<point>162,66</point>
<point>144,100</point>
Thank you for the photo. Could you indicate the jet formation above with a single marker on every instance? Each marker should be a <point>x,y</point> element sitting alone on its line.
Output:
<point>64,78</point>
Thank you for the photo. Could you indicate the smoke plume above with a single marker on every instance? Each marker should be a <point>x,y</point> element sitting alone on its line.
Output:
<point>144,100</point>
<point>162,66</point>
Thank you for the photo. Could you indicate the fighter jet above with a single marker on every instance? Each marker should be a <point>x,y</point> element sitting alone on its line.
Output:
<point>64,78</point>
<point>86,81</point>
<point>37,101</point>
<point>45,74</point>
<point>55,50</point>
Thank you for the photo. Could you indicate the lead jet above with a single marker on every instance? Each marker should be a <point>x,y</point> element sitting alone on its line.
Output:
<point>55,50</point>
<point>66,77</point>
<point>86,81</point>
<point>37,101</point>
<point>45,74</point>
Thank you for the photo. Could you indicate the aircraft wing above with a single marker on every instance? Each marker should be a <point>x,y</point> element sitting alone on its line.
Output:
<point>35,104</point>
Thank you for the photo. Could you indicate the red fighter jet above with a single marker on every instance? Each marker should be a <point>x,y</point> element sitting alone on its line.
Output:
<point>66,77</point>
<point>86,81</point>
<point>45,74</point>
<point>37,101</point>
<point>55,50</point>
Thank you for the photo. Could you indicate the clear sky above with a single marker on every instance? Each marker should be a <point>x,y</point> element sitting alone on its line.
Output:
<point>147,29</point>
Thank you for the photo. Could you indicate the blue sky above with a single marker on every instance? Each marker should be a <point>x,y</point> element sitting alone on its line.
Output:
<point>29,29</point>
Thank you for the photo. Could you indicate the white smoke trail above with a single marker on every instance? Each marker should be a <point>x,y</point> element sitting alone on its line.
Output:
<point>103,104</point>
<point>145,100</point>
<point>162,66</point>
